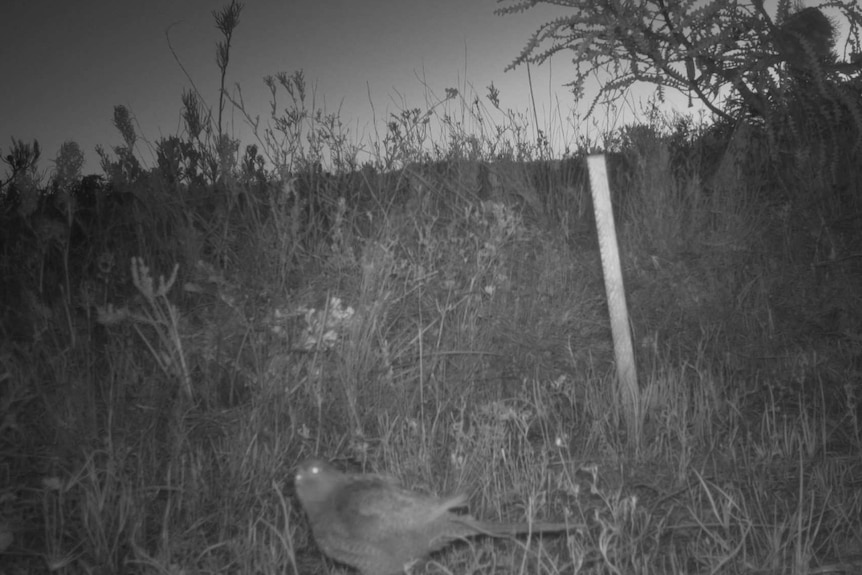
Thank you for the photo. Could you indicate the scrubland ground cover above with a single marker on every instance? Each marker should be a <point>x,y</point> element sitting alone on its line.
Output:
<point>176,337</point>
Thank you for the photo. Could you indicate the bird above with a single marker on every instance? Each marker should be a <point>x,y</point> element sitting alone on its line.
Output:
<point>372,524</point>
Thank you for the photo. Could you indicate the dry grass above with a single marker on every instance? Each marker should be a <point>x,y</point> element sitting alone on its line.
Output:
<point>434,321</point>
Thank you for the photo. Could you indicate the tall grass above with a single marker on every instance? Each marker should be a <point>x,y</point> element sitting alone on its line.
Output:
<point>434,313</point>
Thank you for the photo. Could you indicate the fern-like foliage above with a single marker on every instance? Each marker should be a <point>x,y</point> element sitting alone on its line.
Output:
<point>813,107</point>
<point>698,47</point>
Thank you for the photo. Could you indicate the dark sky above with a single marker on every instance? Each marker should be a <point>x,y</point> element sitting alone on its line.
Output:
<point>65,64</point>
